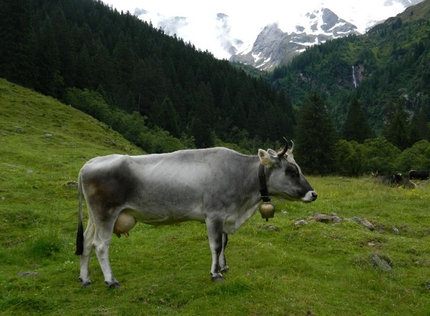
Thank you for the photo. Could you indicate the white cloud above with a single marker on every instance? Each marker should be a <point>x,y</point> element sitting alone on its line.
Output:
<point>258,12</point>
<point>247,18</point>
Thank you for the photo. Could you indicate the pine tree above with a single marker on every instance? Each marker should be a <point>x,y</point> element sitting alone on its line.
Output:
<point>356,127</point>
<point>419,129</point>
<point>125,59</point>
<point>288,115</point>
<point>396,128</point>
<point>48,75</point>
<point>66,49</point>
<point>17,41</point>
<point>316,137</point>
<point>202,122</point>
<point>167,117</point>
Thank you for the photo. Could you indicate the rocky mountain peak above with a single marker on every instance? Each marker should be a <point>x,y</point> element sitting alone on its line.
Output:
<point>274,46</point>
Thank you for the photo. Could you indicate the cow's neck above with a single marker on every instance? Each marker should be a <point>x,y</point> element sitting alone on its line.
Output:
<point>257,175</point>
<point>263,184</point>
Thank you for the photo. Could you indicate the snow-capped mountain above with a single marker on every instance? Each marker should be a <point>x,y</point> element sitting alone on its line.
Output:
<point>273,46</point>
<point>272,43</point>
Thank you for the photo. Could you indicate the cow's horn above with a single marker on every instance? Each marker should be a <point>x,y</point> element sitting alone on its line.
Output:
<point>282,153</point>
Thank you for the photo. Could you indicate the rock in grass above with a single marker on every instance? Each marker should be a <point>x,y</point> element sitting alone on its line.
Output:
<point>301,222</point>
<point>28,273</point>
<point>382,263</point>
<point>395,230</point>
<point>269,227</point>
<point>19,130</point>
<point>363,222</point>
<point>333,218</point>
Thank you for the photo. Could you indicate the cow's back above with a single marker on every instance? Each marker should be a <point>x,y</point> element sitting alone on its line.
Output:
<point>215,168</point>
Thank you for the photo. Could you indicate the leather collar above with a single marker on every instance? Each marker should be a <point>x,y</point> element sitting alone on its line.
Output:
<point>263,185</point>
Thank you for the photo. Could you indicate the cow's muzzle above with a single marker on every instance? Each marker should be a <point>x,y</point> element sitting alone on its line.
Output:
<point>310,196</point>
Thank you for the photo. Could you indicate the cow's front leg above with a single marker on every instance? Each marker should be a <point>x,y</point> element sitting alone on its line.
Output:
<point>215,226</point>
<point>222,261</point>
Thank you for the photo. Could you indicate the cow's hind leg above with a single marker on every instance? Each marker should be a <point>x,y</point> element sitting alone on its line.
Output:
<point>215,234</point>
<point>84,275</point>
<point>102,238</point>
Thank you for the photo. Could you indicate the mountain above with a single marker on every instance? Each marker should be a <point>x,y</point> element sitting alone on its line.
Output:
<point>273,46</point>
<point>276,42</point>
<point>385,70</point>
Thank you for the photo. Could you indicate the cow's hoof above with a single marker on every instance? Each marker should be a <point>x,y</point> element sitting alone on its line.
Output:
<point>225,269</point>
<point>112,285</point>
<point>218,278</point>
<point>86,283</point>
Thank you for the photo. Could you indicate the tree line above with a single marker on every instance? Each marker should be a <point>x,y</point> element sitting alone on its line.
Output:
<point>321,150</point>
<point>57,45</point>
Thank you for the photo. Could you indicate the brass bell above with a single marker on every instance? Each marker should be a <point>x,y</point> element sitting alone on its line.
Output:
<point>267,210</point>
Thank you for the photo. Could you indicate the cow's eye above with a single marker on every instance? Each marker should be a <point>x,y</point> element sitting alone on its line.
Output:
<point>292,170</point>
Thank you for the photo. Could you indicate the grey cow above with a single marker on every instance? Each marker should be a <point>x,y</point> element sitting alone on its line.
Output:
<point>217,186</point>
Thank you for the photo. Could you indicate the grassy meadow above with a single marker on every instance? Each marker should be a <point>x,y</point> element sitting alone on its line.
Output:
<point>276,267</point>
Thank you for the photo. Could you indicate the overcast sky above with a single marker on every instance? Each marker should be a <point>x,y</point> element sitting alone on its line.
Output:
<point>263,11</point>
<point>247,18</point>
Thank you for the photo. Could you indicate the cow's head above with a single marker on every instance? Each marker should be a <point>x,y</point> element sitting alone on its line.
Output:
<point>285,179</point>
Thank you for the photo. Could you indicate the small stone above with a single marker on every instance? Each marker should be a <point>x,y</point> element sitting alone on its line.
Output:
<point>28,273</point>
<point>301,222</point>
<point>272,227</point>
<point>367,224</point>
<point>363,222</point>
<point>326,218</point>
<point>380,263</point>
<point>336,219</point>
<point>73,184</point>
<point>395,230</point>
<point>269,227</point>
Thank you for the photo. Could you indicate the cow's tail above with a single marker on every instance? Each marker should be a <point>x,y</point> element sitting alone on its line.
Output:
<point>80,233</point>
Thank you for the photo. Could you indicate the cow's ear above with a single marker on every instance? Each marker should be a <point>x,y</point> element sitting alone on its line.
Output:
<point>272,153</point>
<point>265,158</point>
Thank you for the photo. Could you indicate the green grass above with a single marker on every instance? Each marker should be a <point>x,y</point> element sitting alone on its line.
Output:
<point>323,269</point>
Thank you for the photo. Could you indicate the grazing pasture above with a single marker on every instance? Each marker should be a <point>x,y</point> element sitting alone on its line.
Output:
<point>291,265</point>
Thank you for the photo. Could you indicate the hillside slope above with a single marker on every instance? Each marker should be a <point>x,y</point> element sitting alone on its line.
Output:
<point>31,119</point>
<point>43,145</point>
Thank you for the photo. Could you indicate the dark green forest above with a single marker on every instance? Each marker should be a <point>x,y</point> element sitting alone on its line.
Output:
<point>163,94</point>
<point>391,68</point>
<point>67,48</point>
